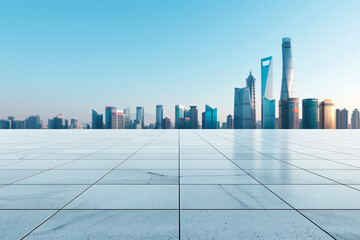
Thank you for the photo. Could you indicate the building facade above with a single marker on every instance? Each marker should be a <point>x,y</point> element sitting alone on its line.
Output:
<point>229,122</point>
<point>179,114</point>
<point>310,113</point>
<point>342,119</point>
<point>327,114</point>
<point>355,119</point>
<point>209,118</point>
<point>140,116</point>
<point>250,84</point>
<point>194,122</point>
<point>242,109</point>
<point>267,101</point>
<point>159,117</point>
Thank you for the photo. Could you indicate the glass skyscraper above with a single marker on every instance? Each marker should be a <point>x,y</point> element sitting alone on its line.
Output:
<point>355,119</point>
<point>293,113</point>
<point>194,122</point>
<point>310,113</point>
<point>110,117</point>
<point>159,116</point>
<point>97,120</point>
<point>179,114</point>
<point>342,119</point>
<point>250,84</point>
<point>327,114</point>
<point>140,116</point>
<point>209,118</point>
<point>127,117</point>
<point>242,109</point>
<point>267,101</point>
<point>287,73</point>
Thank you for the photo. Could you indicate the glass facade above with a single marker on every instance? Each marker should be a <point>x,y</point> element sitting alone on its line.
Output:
<point>242,109</point>
<point>287,74</point>
<point>327,114</point>
<point>250,84</point>
<point>97,120</point>
<point>194,122</point>
<point>355,119</point>
<point>179,114</point>
<point>110,117</point>
<point>293,113</point>
<point>267,101</point>
<point>140,116</point>
<point>310,113</point>
<point>209,118</point>
<point>159,116</point>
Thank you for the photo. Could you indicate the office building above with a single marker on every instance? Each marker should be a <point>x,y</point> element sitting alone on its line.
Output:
<point>120,119</point>
<point>167,123</point>
<point>355,119</point>
<point>127,118</point>
<point>97,120</point>
<point>229,122</point>
<point>250,84</point>
<point>179,114</point>
<point>4,124</point>
<point>286,87</point>
<point>194,122</point>
<point>342,119</point>
<point>159,116</point>
<point>327,114</point>
<point>267,101</point>
<point>209,118</point>
<point>293,113</point>
<point>310,113</point>
<point>242,109</point>
<point>33,122</point>
<point>140,116</point>
<point>110,117</point>
<point>56,122</point>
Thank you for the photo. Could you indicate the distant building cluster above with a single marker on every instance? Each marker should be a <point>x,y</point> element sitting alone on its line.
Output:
<point>315,114</point>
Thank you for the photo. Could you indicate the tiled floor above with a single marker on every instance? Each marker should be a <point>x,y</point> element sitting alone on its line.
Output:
<point>171,184</point>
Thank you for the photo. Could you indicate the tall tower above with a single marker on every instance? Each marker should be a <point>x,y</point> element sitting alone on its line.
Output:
<point>179,114</point>
<point>287,75</point>
<point>159,117</point>
<point>267,101</point>
<point>250,84</point>
<point>140,116</point>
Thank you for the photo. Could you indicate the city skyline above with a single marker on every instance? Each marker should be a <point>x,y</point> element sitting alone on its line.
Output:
<point>148,74</point>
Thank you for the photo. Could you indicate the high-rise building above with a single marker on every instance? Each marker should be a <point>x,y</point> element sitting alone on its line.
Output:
<point>327,114</point>
<point>186,120</point>
<point>140,116</point>
<point>66,124</point>
<point>355,119</point>
<point>179,114</point>
<point>267,101</point>
<point>4,124</point>
<point>56,122</point>
<point>110,117</point>
<point>293,113</point>
<point>167,123</point>
<point>286,86</point>
<point>194,122</point>
<point>287,73</point>
<point>97,120</point>
<point>250,84</point>
<point>127,118</point>
<point>209,118</point>
<point>120,119</point>
<point>74,123</point>
<point>33,122</point>
<point>310,113</point>
<point>342,119</point>
<point>159,116</point>
<point>242,109</point>
<point>229,122</point>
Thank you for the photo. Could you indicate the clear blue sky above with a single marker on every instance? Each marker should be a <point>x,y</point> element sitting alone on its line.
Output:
<point>71,56</point>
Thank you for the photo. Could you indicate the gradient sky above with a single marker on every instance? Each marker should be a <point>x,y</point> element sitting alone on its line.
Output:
<point>71,56</point>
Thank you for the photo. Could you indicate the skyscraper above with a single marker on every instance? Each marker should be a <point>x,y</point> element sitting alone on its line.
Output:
<point>110,117</point>
<point>355,119</point>
<point>127,118</point>
<point>310,113</point>
<point>194,122</point>
<point>140,116</point>
<point>120,119</point>
<point>56,122</point>
<point>229,122</point>
<point>97,120</point>
<point>167,123</point>
<point>327,114</point>
<point>342,119</point>
<point>287,73</point>
<point>159,116</point>
<point>293,113</point>
<point>179,114</point>
<point>267,101</point>
<point>209,118</point>
<point>250,84</point>
<point>33,122</point>
<point>242,109</point>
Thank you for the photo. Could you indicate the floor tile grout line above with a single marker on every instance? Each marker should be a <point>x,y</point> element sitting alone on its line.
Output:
<point>57,211</point>
<point>269,189</point>
<point>183,209</point>
<point>179,182</point>
<point>319,175</point>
